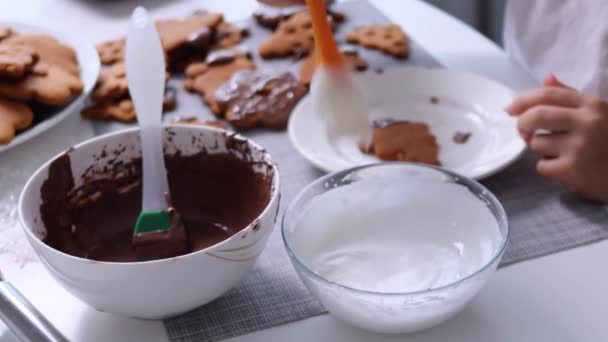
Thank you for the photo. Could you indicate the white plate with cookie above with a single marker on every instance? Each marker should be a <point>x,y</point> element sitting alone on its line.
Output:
<point>58,80</point>
<point>457,116</point>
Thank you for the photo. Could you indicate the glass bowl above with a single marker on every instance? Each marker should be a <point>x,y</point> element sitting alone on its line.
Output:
<point>391,312</point>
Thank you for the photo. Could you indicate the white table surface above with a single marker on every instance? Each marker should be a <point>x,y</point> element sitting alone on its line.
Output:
<point>561,297</point>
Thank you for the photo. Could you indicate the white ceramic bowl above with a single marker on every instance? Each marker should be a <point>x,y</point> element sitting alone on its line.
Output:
<point>395,311</point>
<point>160,288</point>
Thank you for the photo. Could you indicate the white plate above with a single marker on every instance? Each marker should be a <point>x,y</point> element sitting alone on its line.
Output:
<point>467,103</point>
<point>88,61</point>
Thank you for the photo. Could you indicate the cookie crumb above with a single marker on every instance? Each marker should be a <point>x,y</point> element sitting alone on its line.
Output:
<point>462,137</point>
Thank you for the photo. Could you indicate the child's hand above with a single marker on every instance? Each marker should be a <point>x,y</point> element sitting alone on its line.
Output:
<point>573,137</point>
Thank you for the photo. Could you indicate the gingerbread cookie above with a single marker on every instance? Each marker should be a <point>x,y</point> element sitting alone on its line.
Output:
<point>50,85</point>
<point>5,32</point>
<point>112,110</point>
<point>293,36</point>
<point>205,78</point>
<point>387,38</point>
<point>123,110</point>
<point>207,123</point>
<point>257,98</point>
<point>112,83</point>
<point>228,35</point>
<point>14,117</point>
<point>111,51</point>
<point>50,50</point>
<point>271,13</point>
<point>403,141</point>
<point>188,38</point>
<point>352,58</point>
<point>16,60</point>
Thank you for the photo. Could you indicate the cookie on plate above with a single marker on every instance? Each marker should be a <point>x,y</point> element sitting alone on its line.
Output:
<point>389,39</point>
<point>16,60</point>
<point>50,51</point>
<point>48,84</point>
<point>256,98</point>
<point>403,141</point>
<point>206,77</point>
<point>14,117</point>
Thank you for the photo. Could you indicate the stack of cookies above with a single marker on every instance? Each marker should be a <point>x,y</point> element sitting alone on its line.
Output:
<point>34,69</point>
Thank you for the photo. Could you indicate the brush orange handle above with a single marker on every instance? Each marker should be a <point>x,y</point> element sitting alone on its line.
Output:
<point>327,51</point>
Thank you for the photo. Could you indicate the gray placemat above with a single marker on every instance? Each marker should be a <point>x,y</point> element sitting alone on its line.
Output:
<point>543,218</point>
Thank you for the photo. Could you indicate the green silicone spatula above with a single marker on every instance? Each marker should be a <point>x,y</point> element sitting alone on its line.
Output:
<point>145,65</point>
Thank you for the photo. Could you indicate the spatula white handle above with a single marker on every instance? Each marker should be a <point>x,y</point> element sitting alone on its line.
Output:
<point>146,68</point>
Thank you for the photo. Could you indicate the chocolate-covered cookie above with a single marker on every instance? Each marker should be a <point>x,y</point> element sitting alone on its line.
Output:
<point>206,77</point>
<point>188,39</point>
<point>259,98</point>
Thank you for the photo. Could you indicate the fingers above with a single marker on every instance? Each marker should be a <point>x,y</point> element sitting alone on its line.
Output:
<point>553,81</point>
<point>552,168</point>
<point>553,119</point>
<point>548,96</point>
<point>549,145</point>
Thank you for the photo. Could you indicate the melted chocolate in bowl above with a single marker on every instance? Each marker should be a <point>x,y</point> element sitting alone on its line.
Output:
<point>217,195</point>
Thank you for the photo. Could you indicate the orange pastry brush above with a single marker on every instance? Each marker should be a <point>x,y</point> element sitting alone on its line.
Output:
<point>336,95</point>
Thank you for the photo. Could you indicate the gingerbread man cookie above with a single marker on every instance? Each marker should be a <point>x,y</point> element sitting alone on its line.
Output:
<point>403,141</point>
<point>112,83</point>
<point>123,110</point>
<point>229,35</point>
<point>50,50</point>
<point>14,117</point>
<point>387,38</point>
<point>293,36</point>
<point>16,60</point>
<point>51,85</point>
<point>111,51</point>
